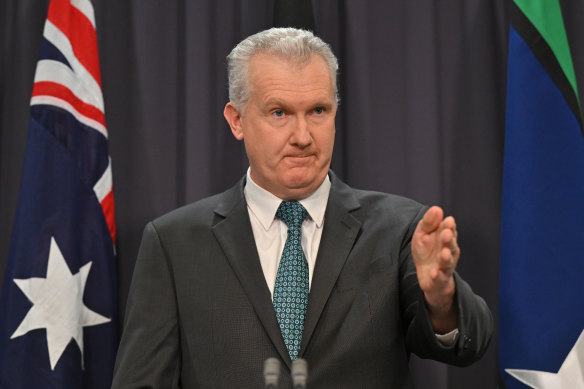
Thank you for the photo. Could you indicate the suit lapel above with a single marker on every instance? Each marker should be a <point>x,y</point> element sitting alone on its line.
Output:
<point>338,237</point>
<point>235,236</point>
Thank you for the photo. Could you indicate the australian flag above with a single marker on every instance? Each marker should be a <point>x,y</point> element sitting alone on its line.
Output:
<point>541,300</point>
<point>58,324</point>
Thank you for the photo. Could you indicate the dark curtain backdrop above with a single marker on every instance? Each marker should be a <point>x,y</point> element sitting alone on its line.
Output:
<point>422,114</point>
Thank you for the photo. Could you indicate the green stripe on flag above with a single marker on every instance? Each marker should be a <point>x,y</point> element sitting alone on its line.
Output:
<point>546,16</point>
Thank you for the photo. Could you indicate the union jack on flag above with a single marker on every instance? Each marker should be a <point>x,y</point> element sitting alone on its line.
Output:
<point>58,309</point>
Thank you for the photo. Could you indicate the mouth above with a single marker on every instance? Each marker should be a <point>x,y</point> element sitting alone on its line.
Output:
<point>300,160</point>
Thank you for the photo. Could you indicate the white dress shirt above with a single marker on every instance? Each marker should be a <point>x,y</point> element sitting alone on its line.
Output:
<point>270,232</point>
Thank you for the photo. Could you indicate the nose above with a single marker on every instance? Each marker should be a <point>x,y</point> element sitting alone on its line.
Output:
<point>301,136</point>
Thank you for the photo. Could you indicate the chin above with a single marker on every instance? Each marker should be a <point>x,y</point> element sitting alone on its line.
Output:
<point>300,187</point>
<point>298,181</point>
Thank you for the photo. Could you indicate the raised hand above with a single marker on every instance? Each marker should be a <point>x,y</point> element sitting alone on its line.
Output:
<point>435,251</point>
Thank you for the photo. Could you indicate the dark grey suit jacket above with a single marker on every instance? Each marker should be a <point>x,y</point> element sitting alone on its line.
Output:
<point>200,314</point>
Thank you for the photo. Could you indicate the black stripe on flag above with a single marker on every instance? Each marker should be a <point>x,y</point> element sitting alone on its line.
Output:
<point>546,57</point>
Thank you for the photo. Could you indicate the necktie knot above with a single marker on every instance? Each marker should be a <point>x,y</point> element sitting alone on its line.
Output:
<point>292,213</point>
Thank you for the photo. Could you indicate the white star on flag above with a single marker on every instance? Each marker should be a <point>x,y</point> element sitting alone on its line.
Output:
<point>58,305</point>
<point>570,375</point>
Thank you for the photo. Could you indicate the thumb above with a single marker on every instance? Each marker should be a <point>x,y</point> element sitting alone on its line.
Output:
<point>431,220</point>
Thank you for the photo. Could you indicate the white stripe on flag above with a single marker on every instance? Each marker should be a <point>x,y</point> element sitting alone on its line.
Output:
<point>58,72</point>
<point>60,103</point>
<point>103,186</point>
<point>88,90</point>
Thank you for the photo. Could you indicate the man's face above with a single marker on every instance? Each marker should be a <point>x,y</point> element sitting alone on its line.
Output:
<point>288,125</point>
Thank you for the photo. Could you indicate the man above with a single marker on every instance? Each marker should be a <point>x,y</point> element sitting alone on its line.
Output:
<point>291,262</point>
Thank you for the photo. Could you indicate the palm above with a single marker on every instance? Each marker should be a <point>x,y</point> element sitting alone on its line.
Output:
<point>435,251</point>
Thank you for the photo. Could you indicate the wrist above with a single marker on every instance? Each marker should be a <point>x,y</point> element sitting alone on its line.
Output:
<point>442,309</point>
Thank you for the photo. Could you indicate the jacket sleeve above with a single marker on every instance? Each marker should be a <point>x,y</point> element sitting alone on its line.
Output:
<point>475,322</point>
<point>148,356</point>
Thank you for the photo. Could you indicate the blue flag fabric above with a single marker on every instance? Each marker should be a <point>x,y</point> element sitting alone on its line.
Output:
<point>58,309</point>
<point>541,308</point>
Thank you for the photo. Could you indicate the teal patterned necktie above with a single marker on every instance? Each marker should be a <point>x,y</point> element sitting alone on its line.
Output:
<point>291,289</point>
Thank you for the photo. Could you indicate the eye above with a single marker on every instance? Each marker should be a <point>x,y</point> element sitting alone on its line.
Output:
<point>319,110</point>
<point>278,113</point>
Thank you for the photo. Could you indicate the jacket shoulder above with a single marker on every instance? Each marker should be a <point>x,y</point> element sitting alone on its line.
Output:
<point>388,206</point>
<point>202,213</point>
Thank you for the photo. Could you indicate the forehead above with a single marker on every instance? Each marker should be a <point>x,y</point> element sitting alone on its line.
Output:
<point>270,74</point>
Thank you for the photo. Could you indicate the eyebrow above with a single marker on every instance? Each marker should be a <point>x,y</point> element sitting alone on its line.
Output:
<point>274,101</point>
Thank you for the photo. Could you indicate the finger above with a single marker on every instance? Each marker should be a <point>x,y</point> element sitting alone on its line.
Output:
<point>454,249</point>
<point>446,259</point>
<point>449,238</point>
<point>431,220</point>
<point>449,255</point>
<point>434,274</point>
<point>440,276</point>
<point>446,236</point>
<point>449,223</point>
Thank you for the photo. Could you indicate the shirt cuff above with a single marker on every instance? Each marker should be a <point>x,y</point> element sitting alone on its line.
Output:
<point>449,338</point>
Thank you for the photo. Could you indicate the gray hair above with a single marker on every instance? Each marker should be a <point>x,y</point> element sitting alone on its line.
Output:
<point>289,43</point>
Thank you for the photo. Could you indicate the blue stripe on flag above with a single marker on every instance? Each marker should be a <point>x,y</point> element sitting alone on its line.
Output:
<point>541,313</point>
<point>49,51</point>
<point>87,146</point>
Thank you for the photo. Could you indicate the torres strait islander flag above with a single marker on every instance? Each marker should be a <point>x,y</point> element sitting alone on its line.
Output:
<point>541,301</point>
<point>58,324</point>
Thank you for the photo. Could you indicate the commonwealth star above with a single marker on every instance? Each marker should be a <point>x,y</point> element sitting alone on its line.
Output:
<point>58,305</point>
<point>570,375</point>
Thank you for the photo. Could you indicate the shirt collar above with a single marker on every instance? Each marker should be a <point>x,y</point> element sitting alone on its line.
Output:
<point>264,204</point>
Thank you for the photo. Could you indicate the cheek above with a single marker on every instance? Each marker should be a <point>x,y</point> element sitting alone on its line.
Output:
<point>266,150</point>
<point>325,141</point>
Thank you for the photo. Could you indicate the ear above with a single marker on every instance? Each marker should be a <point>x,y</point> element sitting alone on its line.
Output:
<point>234,119</point>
